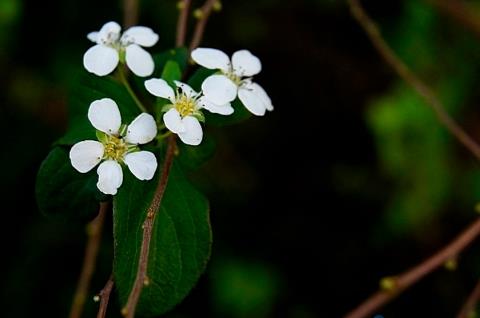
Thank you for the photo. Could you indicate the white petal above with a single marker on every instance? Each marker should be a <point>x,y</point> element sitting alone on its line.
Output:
<point>225,109</point>
<point>186,89</point>
<point>86,154</point>
<point>105,115</point>
<point>93,36</point>
<point>141,35</point>
<point>219,89</point>
<point>142,129</point>
<point>245,63</point>
<point>110,32</point>
<point>100,60</point>
<point>260,92</point>
<point>193,133</point>
<point>139,60</point>
<point>211,58</point>
<point>252,101</point>
<point>110,177</point>
<point>173,121</point>
<point>142,164</point>
<point>160,88</point>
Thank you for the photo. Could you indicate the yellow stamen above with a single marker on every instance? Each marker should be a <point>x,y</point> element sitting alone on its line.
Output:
<point>115,148</point>
<point>185,105</point>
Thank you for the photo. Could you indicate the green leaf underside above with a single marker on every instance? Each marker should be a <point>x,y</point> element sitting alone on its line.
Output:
<point>89,89</point>
<point>64,193</point>
<point>180,245</point>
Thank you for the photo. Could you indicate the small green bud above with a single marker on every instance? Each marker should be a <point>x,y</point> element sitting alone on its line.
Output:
<point>451,264</point>
<point>217,6</point>
<point>477,207</point>
<point>388,284</point>
<point>198,14</point>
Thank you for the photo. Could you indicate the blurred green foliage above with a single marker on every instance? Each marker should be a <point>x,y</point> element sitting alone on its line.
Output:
<point>415,151</point>
<point>242,289</point>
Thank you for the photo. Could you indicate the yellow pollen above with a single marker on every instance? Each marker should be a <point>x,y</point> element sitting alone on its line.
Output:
<point>185,106</point>
<point>115,148</point>
<point>235,78</point>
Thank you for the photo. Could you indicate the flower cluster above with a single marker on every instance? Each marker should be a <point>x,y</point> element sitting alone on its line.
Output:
<point>118,145</point>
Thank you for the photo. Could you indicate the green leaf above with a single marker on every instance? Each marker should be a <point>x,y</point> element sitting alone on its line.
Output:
<point>192,157</point>
<point>179,55</point>
<point>240,114</point>
<point>89,89</point>
<point>180,245</point>
<point>62,192</point>
<point>172,72</point>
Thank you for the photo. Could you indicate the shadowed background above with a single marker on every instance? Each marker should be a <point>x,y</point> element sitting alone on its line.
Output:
<point>350,179</point>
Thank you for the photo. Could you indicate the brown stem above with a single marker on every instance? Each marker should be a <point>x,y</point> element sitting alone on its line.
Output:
<point>460,12</point>
<point>104,297</point>
<point>204,14</point>
<point>130,12</point>
<point>404,72</point>
<point>141,278</point>
<point>472,300</point>
<point>184,6</point>
<point>94,232</point>
<point>406,279</point>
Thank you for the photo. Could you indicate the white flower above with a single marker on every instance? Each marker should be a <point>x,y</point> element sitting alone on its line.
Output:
<point>112,47</point>
<point>118,144</point>
<point>183,114</point>
<point>235,78</point>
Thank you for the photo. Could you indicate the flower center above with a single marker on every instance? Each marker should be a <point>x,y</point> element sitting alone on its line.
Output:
<point>115,148</point>
<point>233,77</point>
<point>185,105</point>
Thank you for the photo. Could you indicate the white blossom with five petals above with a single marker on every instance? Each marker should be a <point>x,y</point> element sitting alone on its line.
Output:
<point>112,47</point>
<point>118,144</point>
<point>234,78</point>
<point>183,114</point>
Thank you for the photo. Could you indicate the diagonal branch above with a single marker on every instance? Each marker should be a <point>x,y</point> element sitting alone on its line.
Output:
<point>459,11</point>
<point>94,232</point>
<point>104,296</point>
<point>184,6</point>
<point>404,280</point>
<point>141,278</point>
<point>472,300</point>
<point>202,15</point>
<point>404,72</point>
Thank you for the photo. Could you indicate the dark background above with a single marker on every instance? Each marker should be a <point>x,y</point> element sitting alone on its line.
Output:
<point>350,179</point>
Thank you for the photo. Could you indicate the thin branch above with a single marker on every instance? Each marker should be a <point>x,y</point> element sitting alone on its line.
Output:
<point>472,300</point>
<point>406,279</point>
<point>141,278</point>
<point>124,81</point>
<point>202,15</point>
<point>404,72</point>
<point>460,12</point>
<point>183,6</point>
<point>104,296</point>
<point>130,12</point>
<point>94,232</point>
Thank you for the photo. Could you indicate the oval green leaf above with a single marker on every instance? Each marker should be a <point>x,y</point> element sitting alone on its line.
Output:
<point>180,245</point>
<point>64,193</point>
